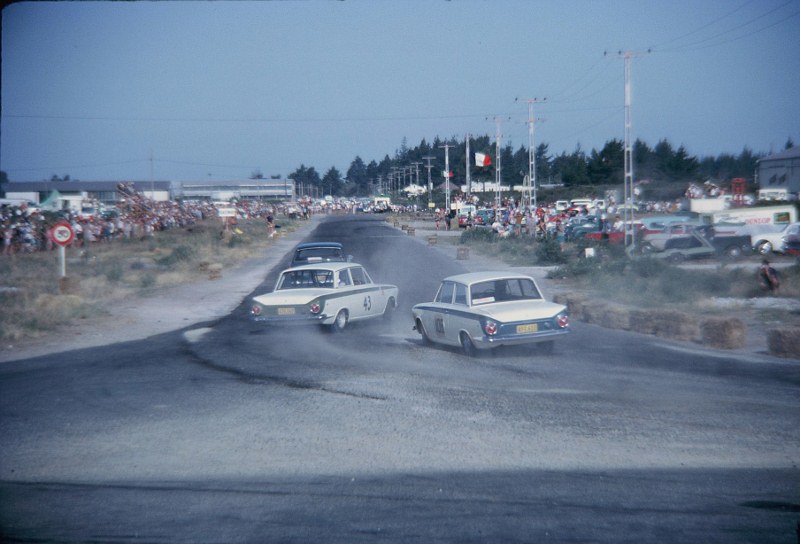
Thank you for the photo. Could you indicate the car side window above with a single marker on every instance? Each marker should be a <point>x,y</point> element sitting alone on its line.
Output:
<point>359,276</point>
<point>445,294</point>
<point>461,294</point>
<point>344,278</point>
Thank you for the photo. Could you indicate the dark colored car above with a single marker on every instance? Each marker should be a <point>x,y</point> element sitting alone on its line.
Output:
<point>319,252</point>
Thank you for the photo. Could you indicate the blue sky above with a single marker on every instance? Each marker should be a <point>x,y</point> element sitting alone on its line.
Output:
<point>217,90</point>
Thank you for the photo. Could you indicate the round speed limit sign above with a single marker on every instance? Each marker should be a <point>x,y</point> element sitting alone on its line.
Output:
<point>62,233</point>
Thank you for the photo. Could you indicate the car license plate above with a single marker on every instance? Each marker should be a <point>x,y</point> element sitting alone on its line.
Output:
<point>531,327</point>
<point>285,311</point>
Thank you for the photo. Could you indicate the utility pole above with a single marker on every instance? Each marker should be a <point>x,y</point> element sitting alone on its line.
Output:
<point>531,185</point>
<point>447,174</point>
<point>430,186</point>
<point>498,168</point>
<point>628,190</point>
<point>416,168</point>
<point>468,180</point>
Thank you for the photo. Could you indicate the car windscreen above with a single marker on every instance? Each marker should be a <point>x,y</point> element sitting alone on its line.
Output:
<point>503,290</point>
<point>305,279</point>
<point>317,254</point>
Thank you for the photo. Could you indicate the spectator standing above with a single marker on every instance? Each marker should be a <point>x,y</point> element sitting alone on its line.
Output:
<point>768,277</point>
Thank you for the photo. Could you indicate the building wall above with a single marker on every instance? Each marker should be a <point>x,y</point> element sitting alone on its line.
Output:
<point>781,171</point>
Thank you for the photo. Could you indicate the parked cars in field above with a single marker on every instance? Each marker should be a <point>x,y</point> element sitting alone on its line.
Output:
<point>332,294</point>
<point>699,242</point>
<point>483,310</point>
<point>317,252</point>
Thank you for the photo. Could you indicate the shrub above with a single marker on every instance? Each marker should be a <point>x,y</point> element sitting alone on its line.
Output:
<point>549,252</point>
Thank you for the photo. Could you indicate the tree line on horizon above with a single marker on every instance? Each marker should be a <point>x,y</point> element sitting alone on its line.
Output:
<point>661,164</point>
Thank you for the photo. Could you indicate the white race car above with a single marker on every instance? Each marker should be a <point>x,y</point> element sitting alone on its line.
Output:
<point>332,294</point>
<point>481,310</point>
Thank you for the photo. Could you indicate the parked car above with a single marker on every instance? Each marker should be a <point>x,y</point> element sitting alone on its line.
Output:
<point>331,294</point>
<point>702,243</point>
<point>772,241</point>
<point>791,240</point>
<point>482,310</point>
<point>683,241</point>
<point>318,252</point>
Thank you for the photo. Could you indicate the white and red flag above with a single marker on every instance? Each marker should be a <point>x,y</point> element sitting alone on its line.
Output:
<point>481,159</point>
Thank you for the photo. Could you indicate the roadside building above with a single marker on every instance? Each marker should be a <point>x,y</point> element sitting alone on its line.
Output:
<point>779,175</point>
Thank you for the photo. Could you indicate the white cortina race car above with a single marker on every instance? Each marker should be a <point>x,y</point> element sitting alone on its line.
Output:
<point>481,310</point>
<point>332,294</point>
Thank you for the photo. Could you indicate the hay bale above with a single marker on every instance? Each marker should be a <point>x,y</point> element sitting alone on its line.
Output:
<point>724,333</point>
<point>643,321</point>
<point>575,304</point>
<point>784,342</point>
<point>612,316</point>
<point>675,325</point>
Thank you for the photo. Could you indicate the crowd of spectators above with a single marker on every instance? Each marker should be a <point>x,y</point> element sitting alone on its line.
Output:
<point>25,228</point>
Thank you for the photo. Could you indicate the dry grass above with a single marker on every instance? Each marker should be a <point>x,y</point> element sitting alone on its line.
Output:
<point>34,300</point>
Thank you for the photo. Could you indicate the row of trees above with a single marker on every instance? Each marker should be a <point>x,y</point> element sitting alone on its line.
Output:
<point>662,163</point>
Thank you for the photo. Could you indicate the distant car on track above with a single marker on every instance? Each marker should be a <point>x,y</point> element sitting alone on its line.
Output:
<point>331,294</point>
<point>482,310</point>
<point>318,252</point>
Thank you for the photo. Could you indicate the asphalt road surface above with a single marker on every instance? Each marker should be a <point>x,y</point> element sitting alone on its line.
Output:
<point>234,433</point>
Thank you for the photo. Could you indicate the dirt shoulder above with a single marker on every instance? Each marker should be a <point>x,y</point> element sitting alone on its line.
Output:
<point>162,310</point>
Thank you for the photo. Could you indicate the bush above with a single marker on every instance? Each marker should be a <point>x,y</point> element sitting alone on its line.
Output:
<point>549,252</point>
<point>179,254</point>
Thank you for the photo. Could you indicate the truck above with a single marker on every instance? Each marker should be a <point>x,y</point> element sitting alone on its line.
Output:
<point>779,216</point>
<point>762,223</point>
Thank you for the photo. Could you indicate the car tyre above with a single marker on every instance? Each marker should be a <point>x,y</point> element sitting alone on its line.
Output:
<point>765,247</point>
<point>467,346</point>
<point>733,252</point>
<point>677,258</point>
<point>340,322</point>
<point>388,312</point>
<point>426,340</point>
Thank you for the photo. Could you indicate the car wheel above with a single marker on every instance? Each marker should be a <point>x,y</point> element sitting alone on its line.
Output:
<point>340,322</point>
<point>677,258</point>
<point>733,252</point>
<point>388,312</point>
<point>467,346</point>
<point>765,248</point>
<point>648,248</point>
<point>421,330</point>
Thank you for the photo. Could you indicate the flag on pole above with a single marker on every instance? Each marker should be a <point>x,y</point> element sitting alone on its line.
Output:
<point>446,174</point>
<point>481,159</point>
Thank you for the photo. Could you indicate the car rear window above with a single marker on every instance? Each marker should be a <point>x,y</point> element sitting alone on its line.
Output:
<point>318,254</point>
<point>304,279</point>
<point>503,290</point>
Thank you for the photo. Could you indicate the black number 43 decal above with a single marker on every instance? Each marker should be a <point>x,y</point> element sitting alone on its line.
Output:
<point>367,303</point>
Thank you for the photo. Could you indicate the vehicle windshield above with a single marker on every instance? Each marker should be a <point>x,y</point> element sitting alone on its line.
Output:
<point>503,290</point>
<point>318,254</point>
<point>305,279</point>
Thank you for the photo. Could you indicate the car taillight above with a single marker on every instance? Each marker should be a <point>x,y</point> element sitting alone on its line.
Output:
<point>562,320</point>
<point>255,310</point>
<point>315,308</point>
<point>490,328</point>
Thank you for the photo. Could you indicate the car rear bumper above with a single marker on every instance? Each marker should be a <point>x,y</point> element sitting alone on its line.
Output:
<point>488,342</point>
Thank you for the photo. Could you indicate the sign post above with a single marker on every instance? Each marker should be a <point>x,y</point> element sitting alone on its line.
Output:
<point>62,235</point>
